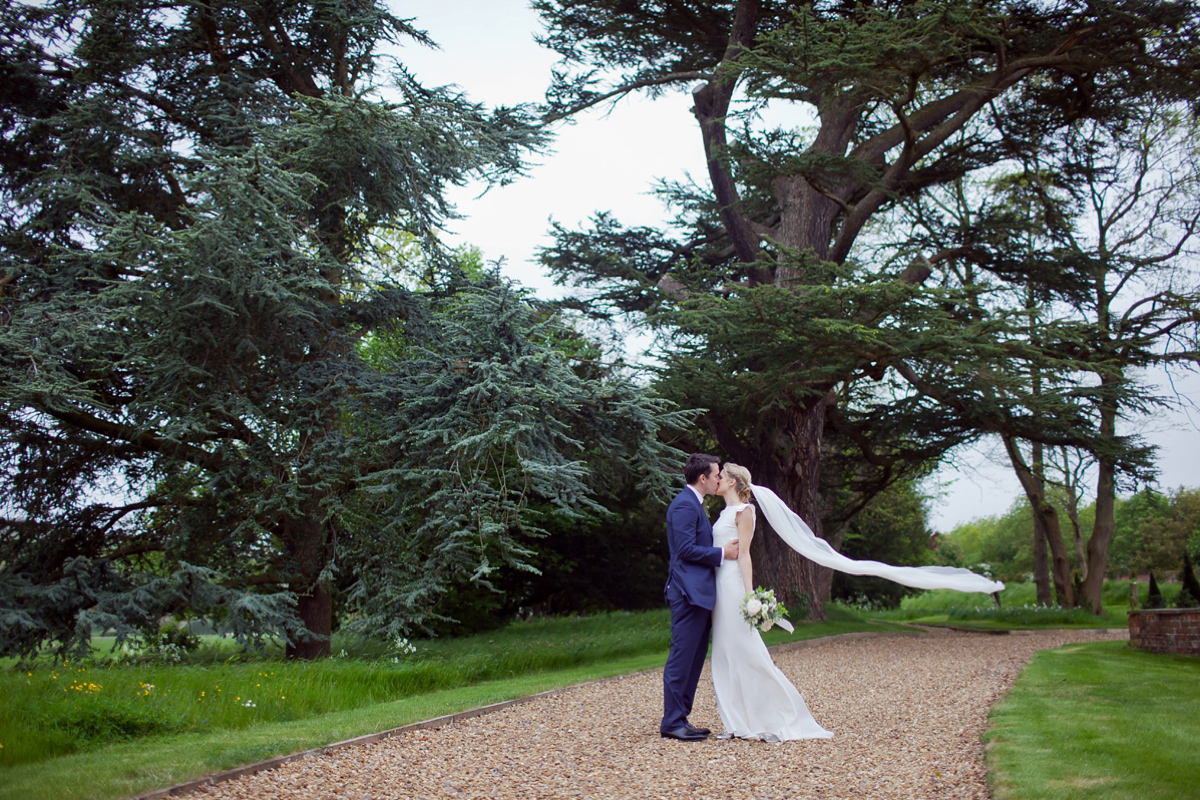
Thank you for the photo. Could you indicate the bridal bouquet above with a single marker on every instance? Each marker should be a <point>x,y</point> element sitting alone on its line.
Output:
<point>762,610</point>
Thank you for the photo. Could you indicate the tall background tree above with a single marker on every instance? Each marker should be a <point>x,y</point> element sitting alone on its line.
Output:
<point>772,320</point>
<point>1098,226</point>
<point>198,201</point>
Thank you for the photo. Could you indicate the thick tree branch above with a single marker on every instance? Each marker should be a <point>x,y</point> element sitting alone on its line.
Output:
<point>711,107</point>
<point>136,549</point>
<point>938,121</point>
<point>143,439</point>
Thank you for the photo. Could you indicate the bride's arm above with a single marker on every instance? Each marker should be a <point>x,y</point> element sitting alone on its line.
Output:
<point>745,529</point>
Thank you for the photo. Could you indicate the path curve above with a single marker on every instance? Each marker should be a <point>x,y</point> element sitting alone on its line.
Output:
<point>906,713</point>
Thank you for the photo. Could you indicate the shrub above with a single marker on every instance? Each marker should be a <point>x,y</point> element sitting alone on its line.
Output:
<point>1155,598</point>
<point>1189,594</point>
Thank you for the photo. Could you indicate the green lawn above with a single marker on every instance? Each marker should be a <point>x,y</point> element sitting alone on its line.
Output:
<point>1098,720</point>
<point>1084,721</point>
<point>99,730</point>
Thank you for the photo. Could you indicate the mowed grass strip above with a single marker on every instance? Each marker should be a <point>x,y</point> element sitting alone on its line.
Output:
<point>97,731</point>
<point>1098,720</point>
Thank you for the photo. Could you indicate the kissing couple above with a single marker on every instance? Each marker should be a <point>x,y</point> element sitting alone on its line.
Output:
<point>710,572</point>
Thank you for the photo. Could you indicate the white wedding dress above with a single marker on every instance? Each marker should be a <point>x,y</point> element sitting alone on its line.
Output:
<point>755,700</point>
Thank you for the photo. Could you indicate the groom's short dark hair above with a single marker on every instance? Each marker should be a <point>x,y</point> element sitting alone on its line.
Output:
<point>697,466</point>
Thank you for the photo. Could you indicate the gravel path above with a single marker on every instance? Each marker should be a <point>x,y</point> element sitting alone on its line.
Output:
<point>906,713</point>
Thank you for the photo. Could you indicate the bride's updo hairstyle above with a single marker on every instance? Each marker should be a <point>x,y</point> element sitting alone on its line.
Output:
<point>741,478</point>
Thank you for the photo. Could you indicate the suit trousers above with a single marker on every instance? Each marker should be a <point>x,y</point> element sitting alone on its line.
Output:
<point>690,628</point>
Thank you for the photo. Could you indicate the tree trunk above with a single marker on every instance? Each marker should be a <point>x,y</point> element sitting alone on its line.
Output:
<point>1105,525</point>
<point>1041,563</point>
<point>1041,566</point>
<point>1073,517</point>
<point>1102,533</point>
<point>316,611</point>
<point>1045,516</point>
<point>790,465</point>
<point>308,553</point>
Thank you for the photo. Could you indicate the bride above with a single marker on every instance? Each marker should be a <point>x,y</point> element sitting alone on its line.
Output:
<point>754,699</point>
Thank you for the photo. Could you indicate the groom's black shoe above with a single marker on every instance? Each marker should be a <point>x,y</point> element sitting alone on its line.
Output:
<point>694,729</point>
<point>685,734</point>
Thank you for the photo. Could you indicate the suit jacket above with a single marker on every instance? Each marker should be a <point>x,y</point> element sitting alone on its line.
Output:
<point>694,559</point>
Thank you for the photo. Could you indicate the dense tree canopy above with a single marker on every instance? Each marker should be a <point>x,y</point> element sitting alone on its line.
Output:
<point>1093,236</point>
<point>198,204</point>
<point>778,292</point>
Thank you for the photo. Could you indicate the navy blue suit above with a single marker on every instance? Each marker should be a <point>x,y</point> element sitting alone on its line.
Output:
<point>691,592</point>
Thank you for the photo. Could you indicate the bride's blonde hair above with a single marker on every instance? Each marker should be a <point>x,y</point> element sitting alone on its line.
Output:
<point>741,480</point>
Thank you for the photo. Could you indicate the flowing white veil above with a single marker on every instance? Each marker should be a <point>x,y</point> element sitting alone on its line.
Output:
<point>800,538</point>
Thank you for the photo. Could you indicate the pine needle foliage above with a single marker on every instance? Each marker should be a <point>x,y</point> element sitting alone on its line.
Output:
<point>192,199</point>
<point>812,322</point>
<point>492,430</point>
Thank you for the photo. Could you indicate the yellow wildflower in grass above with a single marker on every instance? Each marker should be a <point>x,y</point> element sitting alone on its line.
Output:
<point>85,687</point>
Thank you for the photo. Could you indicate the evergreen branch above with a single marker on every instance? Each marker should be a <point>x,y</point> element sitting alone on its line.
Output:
<point>621,90</point>
<point>136,548</point>
<point>269,578</point>
<point>855,433</point>
<point>953,111</point>
<point>119,513</point>
<point>711,109</point>
<point>143,439</point>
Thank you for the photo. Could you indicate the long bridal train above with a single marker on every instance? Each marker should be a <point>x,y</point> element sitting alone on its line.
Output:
<point>800,538</point>
<point>754,699</point>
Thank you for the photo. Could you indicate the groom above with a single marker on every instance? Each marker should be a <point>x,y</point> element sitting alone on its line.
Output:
<point>691,592</point>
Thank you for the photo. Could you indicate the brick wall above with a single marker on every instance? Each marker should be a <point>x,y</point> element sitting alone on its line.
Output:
<point>1166,630</point>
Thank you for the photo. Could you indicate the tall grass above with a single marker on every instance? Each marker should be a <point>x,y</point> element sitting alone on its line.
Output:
<point>50,710</point>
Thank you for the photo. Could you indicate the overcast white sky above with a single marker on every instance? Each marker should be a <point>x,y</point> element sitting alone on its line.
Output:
<point>608,160</point>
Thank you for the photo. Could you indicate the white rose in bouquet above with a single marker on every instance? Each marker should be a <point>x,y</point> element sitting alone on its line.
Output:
<point>763,611</point>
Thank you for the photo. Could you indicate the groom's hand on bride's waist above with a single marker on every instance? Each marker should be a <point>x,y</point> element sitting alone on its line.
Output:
<point>731,550</point>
